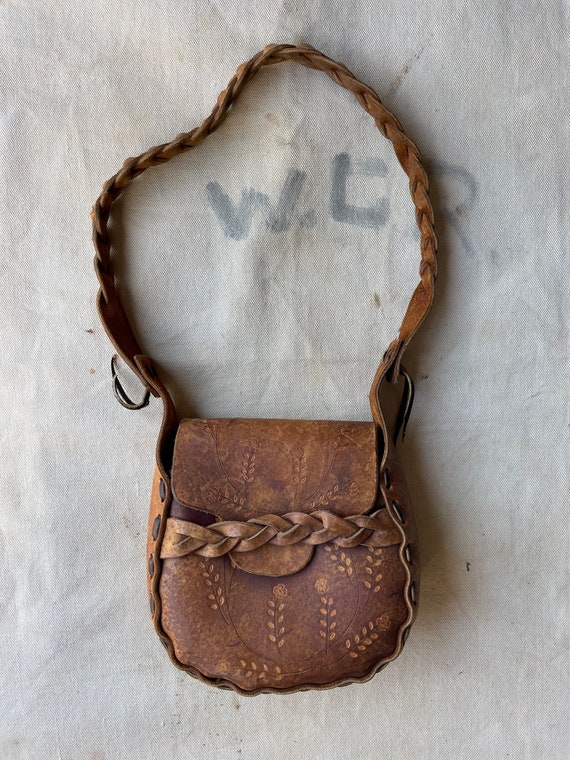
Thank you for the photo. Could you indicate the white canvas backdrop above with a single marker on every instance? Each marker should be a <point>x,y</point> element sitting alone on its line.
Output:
<point>266,272</point>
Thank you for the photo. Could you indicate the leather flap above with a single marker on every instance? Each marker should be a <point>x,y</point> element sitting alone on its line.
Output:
<point>238,469</point>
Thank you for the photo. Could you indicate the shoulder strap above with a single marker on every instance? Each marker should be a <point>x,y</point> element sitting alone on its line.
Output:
<point>111,311</point>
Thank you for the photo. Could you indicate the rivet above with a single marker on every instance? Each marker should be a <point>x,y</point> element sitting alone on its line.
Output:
<point>156,527</point>
<point>151,566</point>
<point>162,489</point>
<point>151,603</point>
<point>398,511</point>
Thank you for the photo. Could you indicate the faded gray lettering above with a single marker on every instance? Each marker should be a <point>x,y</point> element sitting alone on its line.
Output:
<point>458,210</point>
<point>308,219</point>
<point>458,192</point>
<point>374,216</point>
<point>236,219</point>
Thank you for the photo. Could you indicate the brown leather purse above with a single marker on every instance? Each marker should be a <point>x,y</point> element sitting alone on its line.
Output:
<point>282,554</point>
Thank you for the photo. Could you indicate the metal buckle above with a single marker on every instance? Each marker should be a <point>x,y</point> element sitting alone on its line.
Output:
<point>405,408</point>
<point>120,393</point>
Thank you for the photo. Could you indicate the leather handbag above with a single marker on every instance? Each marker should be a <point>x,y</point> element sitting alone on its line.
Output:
<point>282,554</point>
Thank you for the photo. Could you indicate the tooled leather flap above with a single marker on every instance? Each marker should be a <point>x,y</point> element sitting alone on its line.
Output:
<point>242,468</point>
<point>238,469</point>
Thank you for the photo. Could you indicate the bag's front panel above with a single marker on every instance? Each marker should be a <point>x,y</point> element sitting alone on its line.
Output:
<point>336,619</point>
<point>318,618</point>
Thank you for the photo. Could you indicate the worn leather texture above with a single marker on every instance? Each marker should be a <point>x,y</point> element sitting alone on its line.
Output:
<point>298,615</point>
<point>281,554</point>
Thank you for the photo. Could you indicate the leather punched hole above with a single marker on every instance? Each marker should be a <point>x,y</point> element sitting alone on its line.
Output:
<point>408,554</point>
<point>413,595</point>
<point>387,478</point>
<point>398,511</point>
<point>151,566</point>
<point>151,604</point>
<point>162,490</point>
<point>405,636</point>
<point>156,527</point>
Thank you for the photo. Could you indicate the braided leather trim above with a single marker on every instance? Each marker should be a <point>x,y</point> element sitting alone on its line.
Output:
<point>183,537</point>
<point>113,316</point>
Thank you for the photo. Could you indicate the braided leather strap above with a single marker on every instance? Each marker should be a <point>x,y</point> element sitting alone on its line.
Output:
<point>110,309</point>
<point>184,537</point>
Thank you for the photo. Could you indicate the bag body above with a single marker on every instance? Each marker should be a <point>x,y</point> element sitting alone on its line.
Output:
<point>325,590</point>
<point>281,554</point>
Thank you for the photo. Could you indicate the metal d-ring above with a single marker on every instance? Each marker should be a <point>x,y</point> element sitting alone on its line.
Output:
<point>406,404</point>
<point>120,393</point>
